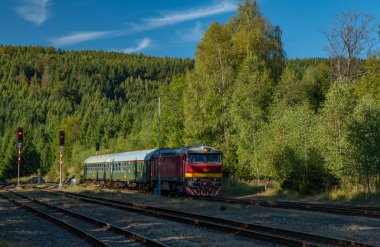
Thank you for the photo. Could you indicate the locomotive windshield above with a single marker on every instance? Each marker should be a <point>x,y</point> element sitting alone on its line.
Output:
<point>204,158</point>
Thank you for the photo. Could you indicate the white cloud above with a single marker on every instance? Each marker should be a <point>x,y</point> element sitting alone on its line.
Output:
<point>144,43</point>
<point>33,10</point>
<point>191,35</point>
<point>177,17</point>
<point>149,24</point>
<point>78,37</point>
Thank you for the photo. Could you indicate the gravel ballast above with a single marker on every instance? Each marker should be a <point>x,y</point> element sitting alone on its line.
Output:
<point>19,227</point>
<point>361,229</point>
<point>168,232</point>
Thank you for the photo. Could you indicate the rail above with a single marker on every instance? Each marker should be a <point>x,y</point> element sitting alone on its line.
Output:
<point>135,236</point>
<point>82,234</point>
<point>372,212</point>
<point>260,232</point>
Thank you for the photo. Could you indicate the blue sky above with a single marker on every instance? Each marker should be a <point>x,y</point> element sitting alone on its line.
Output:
<point>162,27</point>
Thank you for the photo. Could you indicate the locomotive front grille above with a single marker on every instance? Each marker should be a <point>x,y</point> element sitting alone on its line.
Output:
<point>196,184</point>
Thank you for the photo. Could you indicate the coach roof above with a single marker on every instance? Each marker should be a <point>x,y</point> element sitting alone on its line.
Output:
<point>120,157</point>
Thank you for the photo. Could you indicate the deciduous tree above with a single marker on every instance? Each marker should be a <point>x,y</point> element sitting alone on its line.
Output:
<point>351,39</point>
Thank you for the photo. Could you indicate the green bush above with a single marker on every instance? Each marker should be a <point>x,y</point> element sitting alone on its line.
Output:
<point>305,176</point>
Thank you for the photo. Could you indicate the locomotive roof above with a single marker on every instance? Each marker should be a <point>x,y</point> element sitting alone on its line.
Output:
<point>182,150</point>
<point>200,149</point>
<point>147,154</point>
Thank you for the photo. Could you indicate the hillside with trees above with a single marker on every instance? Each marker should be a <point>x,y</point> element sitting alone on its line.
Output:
<point>311,125</point>
<point>94,96</point>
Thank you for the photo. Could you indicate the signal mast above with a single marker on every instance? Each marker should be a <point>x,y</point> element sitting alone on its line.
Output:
<point>20,139</point>
<point>61,143</point>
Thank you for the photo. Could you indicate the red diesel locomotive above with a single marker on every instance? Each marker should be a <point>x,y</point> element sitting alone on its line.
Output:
<point>195,171</point>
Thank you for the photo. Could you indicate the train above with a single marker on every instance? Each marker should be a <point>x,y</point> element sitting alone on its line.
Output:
<point>193,171</point>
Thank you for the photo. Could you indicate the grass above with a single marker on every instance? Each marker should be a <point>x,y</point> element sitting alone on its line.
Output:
<point>341,195</point>
<point>239,188</point>
<point>25,179</point>
<point>233,187</point>
<point>351,194</point>
<point>354,195</point>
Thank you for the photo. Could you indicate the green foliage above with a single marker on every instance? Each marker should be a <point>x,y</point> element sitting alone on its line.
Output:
<point>93,96</point>
<point>172,114</point>
<point>306,176</point>
<point>251,98</point>
<point>291,128</point>
<point>225,58</point>
<point>311,84</point>
<point>364,137</point>
<point>331,128</point>
<point>274,119</point>
<point>234,187</point>
<point>370,82</point>
<point>255,36</point>
<point>317,83</point>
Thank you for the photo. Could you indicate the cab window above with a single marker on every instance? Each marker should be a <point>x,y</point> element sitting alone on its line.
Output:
<point>204,158</point>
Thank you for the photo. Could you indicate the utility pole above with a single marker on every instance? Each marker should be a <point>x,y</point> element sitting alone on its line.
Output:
<point>159,150</point>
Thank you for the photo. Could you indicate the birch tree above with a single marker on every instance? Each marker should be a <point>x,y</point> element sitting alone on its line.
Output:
<point>350,39</point>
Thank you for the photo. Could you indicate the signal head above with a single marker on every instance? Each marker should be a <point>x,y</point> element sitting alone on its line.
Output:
<point>61,138</point>
<point>20,134</point>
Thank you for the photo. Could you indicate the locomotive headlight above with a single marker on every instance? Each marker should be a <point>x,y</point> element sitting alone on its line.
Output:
<point>206,150</point>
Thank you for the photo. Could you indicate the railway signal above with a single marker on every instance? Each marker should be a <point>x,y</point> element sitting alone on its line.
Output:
<point>61,138</point>
<point>20,139</point>
<point>20,134</point>
<point>61,143</point>
<point>97,147</point>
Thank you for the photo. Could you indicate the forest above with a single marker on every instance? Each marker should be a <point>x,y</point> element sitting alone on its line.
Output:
<point>311,125</point>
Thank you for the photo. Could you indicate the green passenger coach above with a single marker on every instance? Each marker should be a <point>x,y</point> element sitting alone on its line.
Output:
<point>133,167</point>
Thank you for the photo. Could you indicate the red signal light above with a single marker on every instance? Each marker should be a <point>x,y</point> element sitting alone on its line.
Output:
<point>61,138</point>
<point>20,134</point>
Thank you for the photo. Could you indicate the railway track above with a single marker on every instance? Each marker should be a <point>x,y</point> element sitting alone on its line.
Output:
<point>260,232</point>
<point>84,235</point>
<point>81,233</point>
<point>372,212</point>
